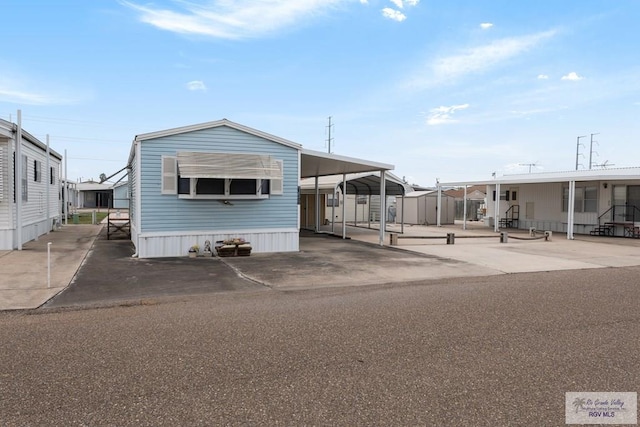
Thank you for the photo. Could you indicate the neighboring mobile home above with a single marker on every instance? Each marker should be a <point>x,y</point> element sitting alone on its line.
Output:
<point>597,201</point>
<point>94,195</point>
<point>30,207</point>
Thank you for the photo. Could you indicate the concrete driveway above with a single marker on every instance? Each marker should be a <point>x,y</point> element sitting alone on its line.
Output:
<point>109,274</point>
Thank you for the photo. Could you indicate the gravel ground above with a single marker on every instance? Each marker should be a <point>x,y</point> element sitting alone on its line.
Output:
<point>491,351</point>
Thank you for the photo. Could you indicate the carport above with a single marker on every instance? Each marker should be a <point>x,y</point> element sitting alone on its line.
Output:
<point>315,164</point>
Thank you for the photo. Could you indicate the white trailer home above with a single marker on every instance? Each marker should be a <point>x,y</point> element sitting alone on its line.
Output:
<point>30,199</point>
<point>596,201</point>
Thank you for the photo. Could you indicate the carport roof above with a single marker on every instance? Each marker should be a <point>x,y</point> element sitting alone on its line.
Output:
<point>316,163</point>
<point>533,178</point>
<point>368,184</point>
<point>359,183</point>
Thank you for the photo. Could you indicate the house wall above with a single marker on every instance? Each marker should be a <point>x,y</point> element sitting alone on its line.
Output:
<point>541,205</point>
<point>34,209</point>
<point>134,191</point>
<point>360,212</point>
<point>170,225</point>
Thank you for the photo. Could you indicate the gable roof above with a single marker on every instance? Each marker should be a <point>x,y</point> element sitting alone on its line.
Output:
<point>312,163</point>
<point>459,192</point>
<point>216,124</point>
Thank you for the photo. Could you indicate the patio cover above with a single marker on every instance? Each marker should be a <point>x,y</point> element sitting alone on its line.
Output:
<point>314,164</point>
<point>368,184</point>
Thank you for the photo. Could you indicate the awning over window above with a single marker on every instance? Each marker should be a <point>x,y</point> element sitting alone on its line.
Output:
<point>227,165</point>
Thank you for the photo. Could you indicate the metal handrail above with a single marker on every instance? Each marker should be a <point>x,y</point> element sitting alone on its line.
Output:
<point>622,210</point>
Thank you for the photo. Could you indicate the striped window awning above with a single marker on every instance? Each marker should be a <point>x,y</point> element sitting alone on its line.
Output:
<point>227,165</point>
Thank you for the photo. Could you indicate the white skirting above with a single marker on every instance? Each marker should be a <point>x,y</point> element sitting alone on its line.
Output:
<point>156,245</point>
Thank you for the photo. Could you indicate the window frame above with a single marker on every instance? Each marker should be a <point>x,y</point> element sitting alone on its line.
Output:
<point>582,204</point>
<point>37,170</point>
<point>227,195</point>
<point>187,188</point>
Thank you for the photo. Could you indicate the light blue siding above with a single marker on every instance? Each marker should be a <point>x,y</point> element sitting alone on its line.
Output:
<point>165,213</point>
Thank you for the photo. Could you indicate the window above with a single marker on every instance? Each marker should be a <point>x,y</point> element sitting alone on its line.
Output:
<point>52,174</point>
<point>220,187</point>
<point>25,179</point>
<point>37,171</point>
<point>586,199</point>
<point>591,199</point>
<point>333,202</point>
<point>504,195</point>
<point>361,200</point>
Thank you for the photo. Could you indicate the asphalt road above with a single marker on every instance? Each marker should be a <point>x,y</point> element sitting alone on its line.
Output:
<point>490,351</point>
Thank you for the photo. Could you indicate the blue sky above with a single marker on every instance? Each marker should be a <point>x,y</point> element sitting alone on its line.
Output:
<point>453,89</point>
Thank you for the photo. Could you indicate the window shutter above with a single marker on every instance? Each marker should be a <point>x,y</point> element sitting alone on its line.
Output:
<point>277,185</point>
<point>169,175</point>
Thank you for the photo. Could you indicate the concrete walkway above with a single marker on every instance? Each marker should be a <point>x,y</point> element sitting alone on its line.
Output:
<point>517,255</point>
<point>23,274</point>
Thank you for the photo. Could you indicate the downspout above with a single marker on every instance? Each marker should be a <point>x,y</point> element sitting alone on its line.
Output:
<point>138,214</point>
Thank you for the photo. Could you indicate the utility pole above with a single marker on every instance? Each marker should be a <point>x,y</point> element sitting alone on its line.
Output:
<point>329,139</point>
<point>578,148</point>
<point>591,149</point>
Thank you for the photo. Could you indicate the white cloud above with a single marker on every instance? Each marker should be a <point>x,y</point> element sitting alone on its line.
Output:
<point>232,19</point>
<point>21,90</point>
<point>364,1</point>
<point>476,59</point>
<point>412,2</point>
<point>398,3</point>
<point>486,25</point>
<point>196,85</point>
<point>572,76</point>
<point>443,114</point>
<point>393,14</point>
<point>542,77</point>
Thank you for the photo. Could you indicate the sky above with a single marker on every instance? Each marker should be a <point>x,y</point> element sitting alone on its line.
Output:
<point>443,90</point>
